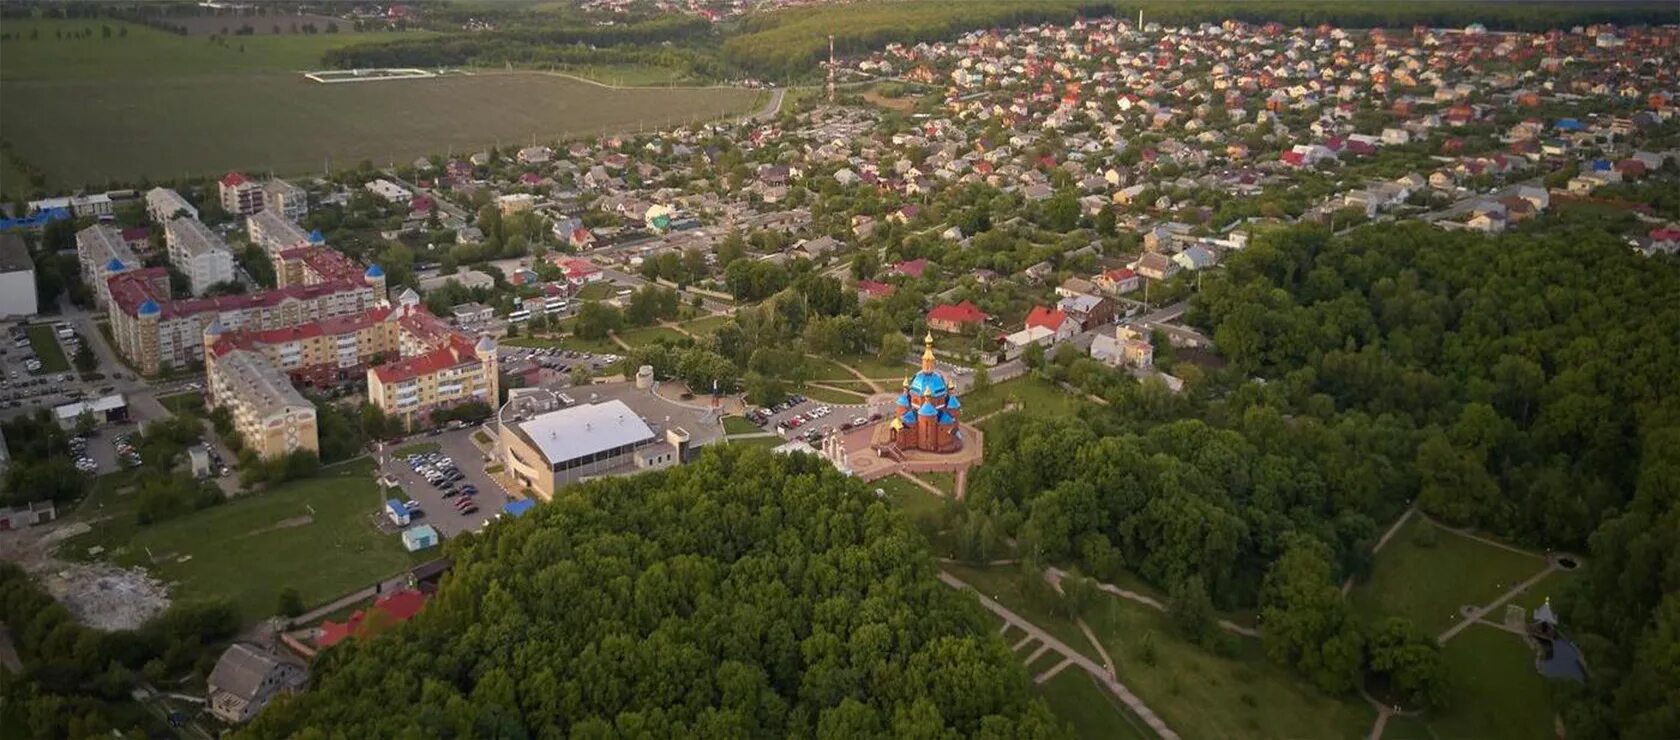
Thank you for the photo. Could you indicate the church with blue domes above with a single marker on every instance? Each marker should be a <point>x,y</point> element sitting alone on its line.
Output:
<point>926,417</point>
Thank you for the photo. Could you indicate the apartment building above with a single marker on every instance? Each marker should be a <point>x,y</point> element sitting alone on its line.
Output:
<point>102,252</point>
<point>286,199</point>
<point>330,351</point>
<point>275,232</point>
<point>241,195</point>
<point>155,332</point>
<point>197,251</point>
<point>448,369</point>
<point>270,415</point>
<point>163,204</point>
<point>315,264</point>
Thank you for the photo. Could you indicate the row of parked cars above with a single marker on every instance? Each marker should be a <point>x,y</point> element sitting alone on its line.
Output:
<point>762,416</point>
<point>439,470</point>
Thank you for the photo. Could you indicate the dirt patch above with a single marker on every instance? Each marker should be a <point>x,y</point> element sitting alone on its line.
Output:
<point>902,105</point>
<point>296,521</point>
<point>105,596</point>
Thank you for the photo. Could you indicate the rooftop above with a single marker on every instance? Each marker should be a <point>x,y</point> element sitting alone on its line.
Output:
<point>14,254</point>
<point>568,434</point>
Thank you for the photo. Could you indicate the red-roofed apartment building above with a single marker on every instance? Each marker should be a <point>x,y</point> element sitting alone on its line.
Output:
<point>393,609</point>
<point>1061,325</point>
<point>241,195</point>
<point>958,319</point>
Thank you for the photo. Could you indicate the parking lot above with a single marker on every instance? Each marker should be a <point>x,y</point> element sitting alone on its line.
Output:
<point>802,418</point>
<point>438,509</point>
<point>514,359</point>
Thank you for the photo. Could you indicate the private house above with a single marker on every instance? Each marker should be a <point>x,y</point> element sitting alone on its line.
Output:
<point>246,678</point>
<point>869,290</point>
<point>956,319</point>
<point>1155,266</point>
<point>1118,281</point>
<point>1061,326</point>
<point>1088,310</point>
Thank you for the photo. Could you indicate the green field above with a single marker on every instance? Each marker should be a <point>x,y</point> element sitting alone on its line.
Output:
<point>420,448</point>
<point>1197,692</point>
<point>47,350</point>
<point>191,402</point>
<point>1095,714</point>
<point>1428,583</point>
<point>827,395</point>
<point>1497,694</point>
<point>738,425</point>
<point>705,325</point>
<point>315,535</point>
<point>650,334</point>
<point>912,499</point>
<point>160,105</point>
<point>596,291</point>
<point>1037,396</point>
<point>765,442</point>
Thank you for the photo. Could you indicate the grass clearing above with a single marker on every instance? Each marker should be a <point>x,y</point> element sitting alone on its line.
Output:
<point>706,325</point>
<point>421,448</point>
<point>191,402</point>
<point>596,291</point>
<point>47,350</point>
<point>739,425</point>
<point>160,105</point>
<point>910,498</point>
<point>1497,692</point>
<point>1426,573</point>
<point>315,535</point>
<point>1095,714</point>
<point>872,367</point>
<point>1035,395</point>
<point>650,335</point>
<point>765,442</point>
<point>1199,693</point>
<point>831,395</point>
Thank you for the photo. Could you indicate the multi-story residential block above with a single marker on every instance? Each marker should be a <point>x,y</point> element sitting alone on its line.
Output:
<point>315,264</point>
<point>444,374</point>
<point>270,415</point>
<point>274,232</point>
<point>155,332</point>
<point>240,195</point>
<point>80,206</point>
<point>163,205</point>
<point>286,199</point>
<point>103,252</point>
<point>197,251</point>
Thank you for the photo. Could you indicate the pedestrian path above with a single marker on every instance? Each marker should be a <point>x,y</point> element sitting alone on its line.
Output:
<point>1131,700</point>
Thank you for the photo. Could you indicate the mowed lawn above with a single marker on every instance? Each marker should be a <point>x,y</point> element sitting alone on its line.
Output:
<point>315,535</point>
<point>1427,583</point>
<point>1497,693</point>
<point>1197,692</point>
<point>1093,710</point>
<point>165,106</point>
<point>44,341</point>
<point>1035,395</point>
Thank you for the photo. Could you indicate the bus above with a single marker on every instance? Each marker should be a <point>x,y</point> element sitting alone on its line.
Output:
<point>519,317</point>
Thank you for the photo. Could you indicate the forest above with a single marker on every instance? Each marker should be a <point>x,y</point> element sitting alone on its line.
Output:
<point>743,595</point>
<point>1523,385</point>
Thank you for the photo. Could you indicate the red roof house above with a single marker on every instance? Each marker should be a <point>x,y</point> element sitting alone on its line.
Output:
<point>911,268</point>
<point>1055,320</point>
<point>394,609</point>
<point>955,319</point>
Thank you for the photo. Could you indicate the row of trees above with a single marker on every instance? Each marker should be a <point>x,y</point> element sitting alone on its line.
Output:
<point>746,594</point>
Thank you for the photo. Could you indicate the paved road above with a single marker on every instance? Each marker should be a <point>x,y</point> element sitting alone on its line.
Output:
<point>1101,673</point>
<point>439,511</point>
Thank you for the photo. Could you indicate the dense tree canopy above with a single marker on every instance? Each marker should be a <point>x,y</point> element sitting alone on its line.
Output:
<point>743,595</point>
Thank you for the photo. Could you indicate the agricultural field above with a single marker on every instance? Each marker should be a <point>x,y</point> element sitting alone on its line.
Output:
<point>315,535</point>
<point>158,105</point>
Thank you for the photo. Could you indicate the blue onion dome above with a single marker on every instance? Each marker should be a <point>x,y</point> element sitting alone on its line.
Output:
<point>316,237</point>
<point>928,409</point>
<point>945,418</point>
<point>150,307</point>
<point>374,271</point>
<point>909,417</point>
<point>952,403</point>
<point>115,265</point>
<point>215,329</point>
<point>904,399</point>
<point>928,383</point>
<point>486,344</point>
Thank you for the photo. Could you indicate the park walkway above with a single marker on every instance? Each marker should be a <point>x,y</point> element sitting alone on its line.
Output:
<point>1102,675</point>
<point>1475,615</point>
<point>1393,529</point>
<point>874,387</point>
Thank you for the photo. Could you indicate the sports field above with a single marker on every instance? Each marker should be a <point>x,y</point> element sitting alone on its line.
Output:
<point>163,106</point>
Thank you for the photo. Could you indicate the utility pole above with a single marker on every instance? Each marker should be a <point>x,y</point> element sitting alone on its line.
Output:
<point>831,69</point>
